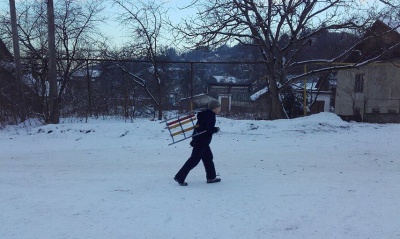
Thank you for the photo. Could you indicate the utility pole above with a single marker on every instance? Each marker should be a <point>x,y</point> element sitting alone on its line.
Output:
<point>52,77</point>
<point>191,85</point>
<point>17,59</point>
<point>305,93</point>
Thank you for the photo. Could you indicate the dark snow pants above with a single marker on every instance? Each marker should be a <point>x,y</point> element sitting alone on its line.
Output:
<point>199,153</point>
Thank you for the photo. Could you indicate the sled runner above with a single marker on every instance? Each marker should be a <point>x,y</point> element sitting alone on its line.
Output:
<point>179,127</point>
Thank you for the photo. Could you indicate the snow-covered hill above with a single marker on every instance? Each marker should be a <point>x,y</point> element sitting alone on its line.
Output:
<point>312,177</point>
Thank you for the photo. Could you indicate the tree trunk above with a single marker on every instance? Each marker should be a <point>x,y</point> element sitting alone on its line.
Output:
<point>22,114</point>
<point>160,111</point>
<point>89,88</point>
<point>52,76</point>
<point>277,109</point>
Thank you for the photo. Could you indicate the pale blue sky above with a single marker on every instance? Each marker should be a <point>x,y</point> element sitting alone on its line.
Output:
<point>118,35</point>
<point>116,32</point>
<point>176,13</point>
<point>113,29</point>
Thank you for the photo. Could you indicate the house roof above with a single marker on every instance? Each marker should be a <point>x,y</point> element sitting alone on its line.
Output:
<point>200,98</point>
<point>5,54</point>
<point>230,80</point>
<point>311,86</point>
<point>7,66</point>
<point>226,79</point>
<point>83,73</point>
<point>259,93</point>
<point>381,35</point>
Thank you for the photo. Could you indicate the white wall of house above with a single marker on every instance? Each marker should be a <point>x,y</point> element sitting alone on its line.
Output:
<point>347,101</point>
<point>380,93</point>
<point>321,96</point>
<point>326,98</point>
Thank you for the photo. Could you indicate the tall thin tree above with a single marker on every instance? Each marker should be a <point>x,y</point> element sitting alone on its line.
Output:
<point>52,75</point>
<point>17,60</point>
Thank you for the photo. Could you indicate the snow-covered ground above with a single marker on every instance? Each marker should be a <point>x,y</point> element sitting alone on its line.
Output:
<point>312,177</point>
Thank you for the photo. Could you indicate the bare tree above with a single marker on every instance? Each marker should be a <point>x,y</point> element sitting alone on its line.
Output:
<point>75,37</point>
<point>145,22</point>
<point>282,31</point>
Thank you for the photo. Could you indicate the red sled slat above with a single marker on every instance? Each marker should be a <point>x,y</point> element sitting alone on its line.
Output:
<point>177,121</point>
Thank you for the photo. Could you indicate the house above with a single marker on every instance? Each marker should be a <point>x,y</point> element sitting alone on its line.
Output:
<point>317,88</point>
<point>10,95</point>
<point>318,93</point>
<point>372,92</point>
<point>240,97</point>
<point>84,80</point>
<point>7,82</point>
<point>261,101</point>
<point>6,65</point>
<point>234,94</point>
<point>199,101</point>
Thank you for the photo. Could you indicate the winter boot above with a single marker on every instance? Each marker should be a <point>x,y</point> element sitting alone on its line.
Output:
<point>215,180</point>
<point>182,183</point>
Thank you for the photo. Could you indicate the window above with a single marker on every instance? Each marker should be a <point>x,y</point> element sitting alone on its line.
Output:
<point>359,86</point>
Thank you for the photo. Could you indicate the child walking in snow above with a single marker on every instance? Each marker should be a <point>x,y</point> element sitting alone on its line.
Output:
<point>201,145</point>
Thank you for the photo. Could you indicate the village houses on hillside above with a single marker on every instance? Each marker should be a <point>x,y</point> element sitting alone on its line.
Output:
<point>369,93</point>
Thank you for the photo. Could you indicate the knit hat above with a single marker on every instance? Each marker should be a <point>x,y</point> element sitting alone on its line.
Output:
<point>213,104</point>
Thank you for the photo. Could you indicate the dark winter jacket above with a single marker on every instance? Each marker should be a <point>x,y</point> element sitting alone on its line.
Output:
<point>206,122</point>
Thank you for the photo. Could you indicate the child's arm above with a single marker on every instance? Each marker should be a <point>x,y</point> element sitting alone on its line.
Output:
<point>210,126</point>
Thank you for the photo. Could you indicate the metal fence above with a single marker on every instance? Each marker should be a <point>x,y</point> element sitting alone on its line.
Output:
<point>135,88</point>
<point>129,89</point>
